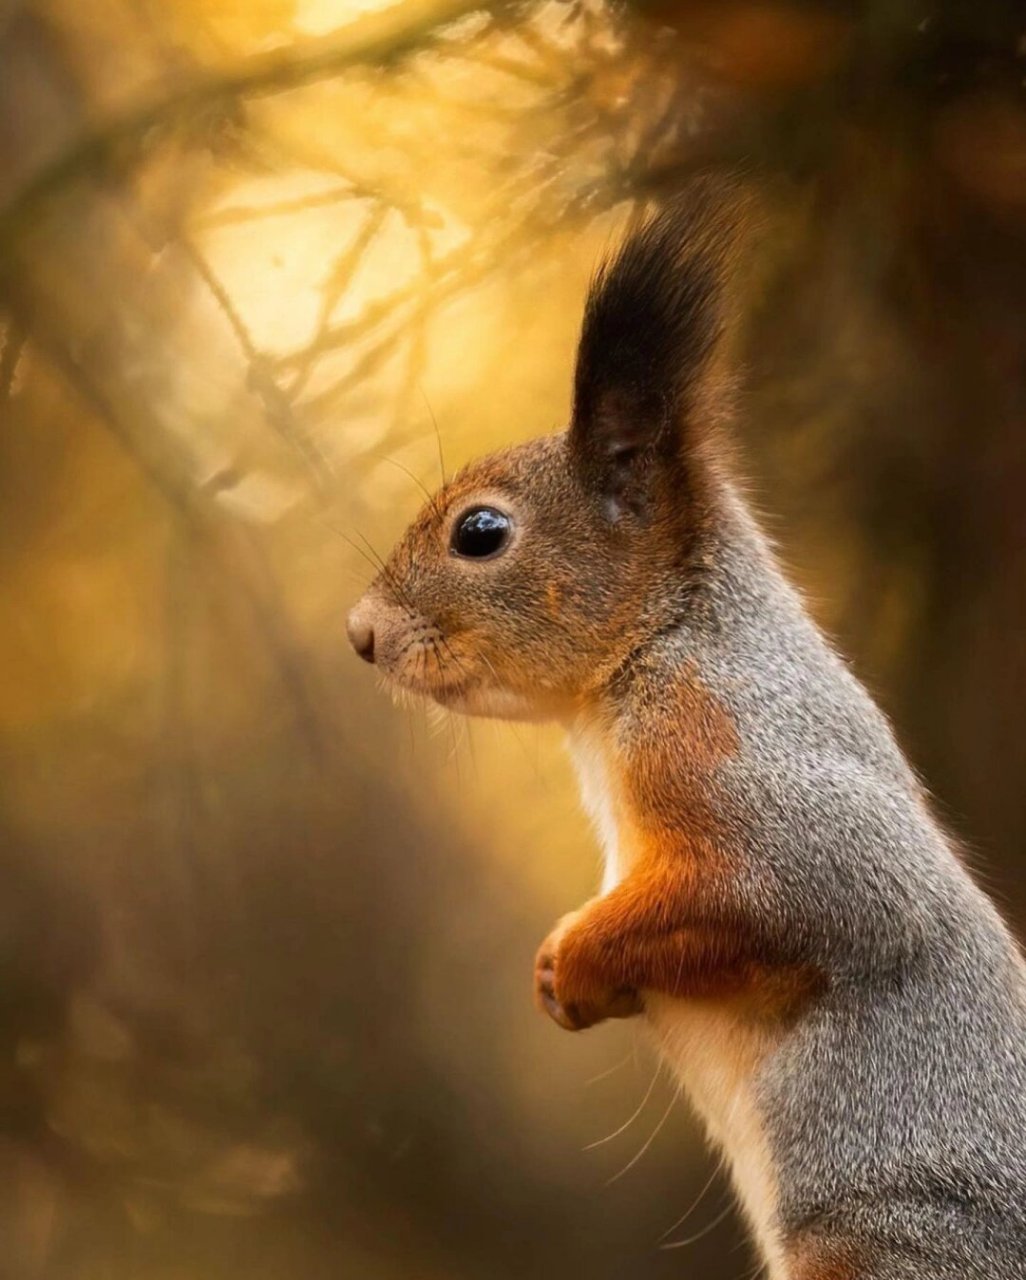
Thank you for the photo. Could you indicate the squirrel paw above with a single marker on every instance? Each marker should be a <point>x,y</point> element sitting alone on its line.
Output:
<point>569,1016</point>
<point>571,1009</point>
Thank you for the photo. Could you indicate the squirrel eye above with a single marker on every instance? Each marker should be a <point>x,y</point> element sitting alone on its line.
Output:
<point>481,533</point>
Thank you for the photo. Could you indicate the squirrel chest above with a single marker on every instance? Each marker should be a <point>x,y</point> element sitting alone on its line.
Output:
<point>714,1044</point>
<point>596,786</point>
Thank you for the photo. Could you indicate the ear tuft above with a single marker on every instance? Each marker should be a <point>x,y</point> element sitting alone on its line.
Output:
<point>652,326</point>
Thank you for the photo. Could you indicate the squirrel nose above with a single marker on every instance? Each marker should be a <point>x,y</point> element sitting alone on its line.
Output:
<point>361,636</point>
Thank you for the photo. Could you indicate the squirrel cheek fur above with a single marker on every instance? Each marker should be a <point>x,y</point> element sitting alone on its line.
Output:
<point>843,1004</point>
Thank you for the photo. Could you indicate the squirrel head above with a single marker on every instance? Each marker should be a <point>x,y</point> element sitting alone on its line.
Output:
<point>528,581</point>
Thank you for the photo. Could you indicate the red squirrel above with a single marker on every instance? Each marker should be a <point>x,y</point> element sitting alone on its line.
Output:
<point>843,1004</point>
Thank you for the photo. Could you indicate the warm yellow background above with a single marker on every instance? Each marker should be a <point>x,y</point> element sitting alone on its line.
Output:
<point>265,941</point>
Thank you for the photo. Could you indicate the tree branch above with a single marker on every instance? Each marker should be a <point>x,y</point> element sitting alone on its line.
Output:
<point>376,38</point>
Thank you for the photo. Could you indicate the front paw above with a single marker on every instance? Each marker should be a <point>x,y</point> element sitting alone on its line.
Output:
<point>566,991</point>
<point>569,1016</point>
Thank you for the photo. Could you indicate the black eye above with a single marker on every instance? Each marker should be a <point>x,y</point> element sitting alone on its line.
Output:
<point>481,533</point>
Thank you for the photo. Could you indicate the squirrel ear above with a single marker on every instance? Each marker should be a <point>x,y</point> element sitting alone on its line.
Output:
<point>652,325</point>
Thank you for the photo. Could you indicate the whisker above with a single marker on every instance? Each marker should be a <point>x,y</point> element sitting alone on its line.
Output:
<point>488,663</point>
<point>374,559</point>
<point>655,1133</point>
<point>472,749</point>
<point>394,462</point>
<point>453,657</point>
<point>754,1272</point>
<point>500,727</point>
<point>387,574</point>
<point>356,547</point>
<point>533,761</point>
<point>413,738</point>
<point>498,683</point>
<point>635,1049</point>
<point>604,1075</point>
<point>455,754</point>
<point>374,553</point>
<point>694,1204</point>
<point>599,1142</point>
<point>700,1235</point>
<point>438,434</point>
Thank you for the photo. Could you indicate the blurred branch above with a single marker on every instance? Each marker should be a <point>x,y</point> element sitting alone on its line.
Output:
<point>273,209</point>
<point>278,409</point>
<point>518,70</point>
<point>149,461</point>
<point>386,323</point>
<point>466,264</point>
<point>228,545</point>
<point>310,155</point>
<point>458,271</point>
<point>15,337</point>
<point>334,287</point>
<point>416,361</point>
<point>379,38</point>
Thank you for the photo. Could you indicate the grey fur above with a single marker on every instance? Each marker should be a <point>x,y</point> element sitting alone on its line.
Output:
<point>896,1105</point>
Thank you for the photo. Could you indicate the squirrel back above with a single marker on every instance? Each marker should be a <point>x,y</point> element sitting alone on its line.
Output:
<point>844,1005</point>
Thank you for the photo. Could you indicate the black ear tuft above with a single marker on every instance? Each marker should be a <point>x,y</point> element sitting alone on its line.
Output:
<point>651,327</point>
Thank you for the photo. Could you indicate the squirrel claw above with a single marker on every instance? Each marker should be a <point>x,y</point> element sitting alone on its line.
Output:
<point>566,1016</point>
<point>575,1016</point>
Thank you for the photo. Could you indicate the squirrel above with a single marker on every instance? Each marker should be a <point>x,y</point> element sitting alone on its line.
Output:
<point>841,1001</point>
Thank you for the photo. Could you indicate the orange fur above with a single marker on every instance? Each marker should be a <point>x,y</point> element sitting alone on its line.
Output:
<point>670,925</point>
<point>815,1260</point>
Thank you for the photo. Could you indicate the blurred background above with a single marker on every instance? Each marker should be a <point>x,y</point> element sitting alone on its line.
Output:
<point>266,942</point>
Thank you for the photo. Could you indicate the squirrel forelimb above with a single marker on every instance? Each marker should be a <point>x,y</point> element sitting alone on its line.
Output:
<point>660,930</point>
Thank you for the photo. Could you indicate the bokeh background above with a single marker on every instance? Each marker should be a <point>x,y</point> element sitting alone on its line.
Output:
<point>266,266</point>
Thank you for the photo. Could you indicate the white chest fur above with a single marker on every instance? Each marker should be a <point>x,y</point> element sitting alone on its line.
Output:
<point>713,1049</point>
<point>597,797</point>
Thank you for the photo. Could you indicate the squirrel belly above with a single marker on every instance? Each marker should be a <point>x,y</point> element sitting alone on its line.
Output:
<point>715,1049</point>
